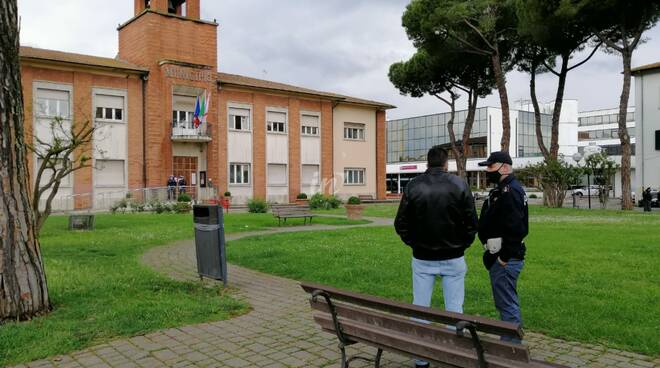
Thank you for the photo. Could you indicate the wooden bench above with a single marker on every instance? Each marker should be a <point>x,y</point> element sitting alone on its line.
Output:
<point>285,211</point>
<point>386,325</point>
<point>365,197</point>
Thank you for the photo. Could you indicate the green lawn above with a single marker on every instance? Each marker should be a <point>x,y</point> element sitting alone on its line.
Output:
<point>100,291</point>
<point>590,276</point>
<point>370,210</point>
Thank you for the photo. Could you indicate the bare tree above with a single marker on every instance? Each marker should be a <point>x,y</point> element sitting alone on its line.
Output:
<point>23,287</point>
<point>57,157</point>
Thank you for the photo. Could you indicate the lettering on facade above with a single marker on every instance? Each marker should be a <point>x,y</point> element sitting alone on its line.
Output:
<point>193,75</point>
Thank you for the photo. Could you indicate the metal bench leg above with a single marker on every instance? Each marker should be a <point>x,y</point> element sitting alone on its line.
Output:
<point>379,354</point>
<point>344,362</point>
<point>460,326</point>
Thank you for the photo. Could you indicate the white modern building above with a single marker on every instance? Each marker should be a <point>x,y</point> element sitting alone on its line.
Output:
<point>601,128</point>
<point>647,114</point>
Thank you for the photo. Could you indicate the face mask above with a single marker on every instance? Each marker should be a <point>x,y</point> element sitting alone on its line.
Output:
<point>494,176</point>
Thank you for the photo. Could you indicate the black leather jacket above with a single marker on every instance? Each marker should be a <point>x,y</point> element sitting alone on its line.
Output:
<point>436,216</point>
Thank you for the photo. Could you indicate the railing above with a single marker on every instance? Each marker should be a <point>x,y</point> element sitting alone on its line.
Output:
<point>106,200</point>
<point>183,130</point>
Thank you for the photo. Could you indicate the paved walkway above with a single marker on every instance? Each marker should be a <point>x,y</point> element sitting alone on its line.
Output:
<point>279,331</point>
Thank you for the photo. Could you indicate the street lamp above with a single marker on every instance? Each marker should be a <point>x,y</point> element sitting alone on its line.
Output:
<point>577,156</point>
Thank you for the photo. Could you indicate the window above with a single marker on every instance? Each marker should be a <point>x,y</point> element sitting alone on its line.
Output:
<point>183,119</point>
<point>354,176</point>
<point>310,175</point>
<point>109,108</point>
<point>276,122</point>
<point>657,140</point>
<point>52,103</point>
<point>309,125</point>
<point>109,173</point>
<point>239,119</point>
<point>354,131</point>
<point>277,174</point>
<point>239,174</point>
<point>310,130</point>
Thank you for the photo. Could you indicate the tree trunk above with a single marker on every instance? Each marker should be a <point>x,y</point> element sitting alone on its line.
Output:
<point>23,291</point>
<point>626,195</point>
<point>500,80</point>
<point>537,112</point>
<point>473,98</point>
<point>452,140</point>
<point>556,113</point>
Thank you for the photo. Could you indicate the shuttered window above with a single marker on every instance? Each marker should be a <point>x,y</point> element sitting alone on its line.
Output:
<point>277,174</point>
<point>109,173</point>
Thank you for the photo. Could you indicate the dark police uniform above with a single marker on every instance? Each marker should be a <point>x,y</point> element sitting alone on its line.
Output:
<point>504,215</point>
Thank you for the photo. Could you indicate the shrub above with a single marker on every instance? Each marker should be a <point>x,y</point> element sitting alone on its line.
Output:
<point>326,202</point>
<point>183,197</point>
<point>257,205</point>
<point>158,207</point>
<point>333,201</point>
<point>354,200</point>
<point>533,196</point>
<point>302,196</point>
<point>182,207</point>
<point>227,194</point>
<point>119,205</point>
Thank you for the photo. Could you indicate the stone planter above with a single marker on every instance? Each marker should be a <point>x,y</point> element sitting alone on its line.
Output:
<point>302,202</point>
<point>354,211</point>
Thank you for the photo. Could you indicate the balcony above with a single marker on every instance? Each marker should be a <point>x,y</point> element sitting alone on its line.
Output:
<point>185,131</point>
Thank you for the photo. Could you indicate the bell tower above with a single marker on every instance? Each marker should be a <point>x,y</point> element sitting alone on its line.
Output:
<point>179,49</point>
<point>186,8</point>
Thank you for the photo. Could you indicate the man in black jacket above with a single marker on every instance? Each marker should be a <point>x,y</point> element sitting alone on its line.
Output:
<point>437,219</point>
<point>503,225</point>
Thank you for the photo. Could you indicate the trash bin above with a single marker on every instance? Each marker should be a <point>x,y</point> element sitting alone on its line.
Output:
<point>210,242</point>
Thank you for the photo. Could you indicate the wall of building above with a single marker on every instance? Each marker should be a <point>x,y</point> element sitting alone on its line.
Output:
<point>124,143</point>
<point>259,148</point>
<point>647,117</point>
<point>356,154</point>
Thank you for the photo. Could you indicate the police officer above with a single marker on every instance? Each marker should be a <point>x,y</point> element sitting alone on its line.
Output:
<point>503,226</point>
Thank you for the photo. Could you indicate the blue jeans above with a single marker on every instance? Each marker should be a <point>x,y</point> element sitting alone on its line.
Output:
<point>452,272</point>
<point>504,280</point>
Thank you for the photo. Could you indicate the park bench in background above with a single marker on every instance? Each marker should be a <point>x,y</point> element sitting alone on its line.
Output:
<point>366,197</point>
<point>386,325</point>
<point>285,211</point>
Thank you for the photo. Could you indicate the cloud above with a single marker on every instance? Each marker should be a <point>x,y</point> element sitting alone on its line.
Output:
<point>343,46</point>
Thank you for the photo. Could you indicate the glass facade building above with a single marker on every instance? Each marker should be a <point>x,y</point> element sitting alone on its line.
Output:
<point>410,139</point>
<point>527,142</point>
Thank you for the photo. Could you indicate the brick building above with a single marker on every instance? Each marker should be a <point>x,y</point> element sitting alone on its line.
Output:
<point>260,139</point>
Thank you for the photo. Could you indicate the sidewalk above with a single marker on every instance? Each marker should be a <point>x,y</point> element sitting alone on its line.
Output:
<point>279,331</point>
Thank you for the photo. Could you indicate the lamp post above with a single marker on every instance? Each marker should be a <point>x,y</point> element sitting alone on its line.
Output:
<point>577,156</point>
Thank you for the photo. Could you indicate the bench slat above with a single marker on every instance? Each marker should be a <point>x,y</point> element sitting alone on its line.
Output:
<point>436,334</point>
<point>414,348</point>
<point>482,324</point>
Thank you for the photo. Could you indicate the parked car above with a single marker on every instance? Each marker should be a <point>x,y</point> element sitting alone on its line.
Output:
<point>654,199</point>
<point>583,191</point>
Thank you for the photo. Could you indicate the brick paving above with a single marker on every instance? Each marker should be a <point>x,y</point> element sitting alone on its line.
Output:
<point>279,330</point>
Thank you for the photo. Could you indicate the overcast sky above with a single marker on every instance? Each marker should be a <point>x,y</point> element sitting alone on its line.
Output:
<point>343,46</point>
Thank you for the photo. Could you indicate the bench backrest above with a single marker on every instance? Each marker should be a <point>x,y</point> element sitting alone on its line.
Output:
<point>290,209</point>
<point>383,323</point>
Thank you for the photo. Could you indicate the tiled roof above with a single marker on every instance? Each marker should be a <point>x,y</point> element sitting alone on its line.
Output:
<point>240,80</point>
<point>646,67</point>
<point>32,53</point>
<point>80,59</point>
